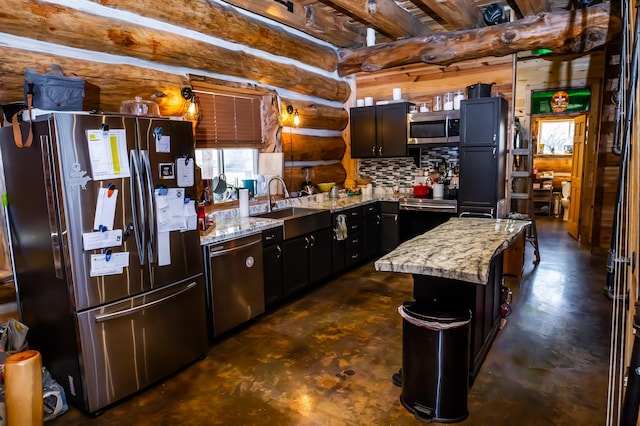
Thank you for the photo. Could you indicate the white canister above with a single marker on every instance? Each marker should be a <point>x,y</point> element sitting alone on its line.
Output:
<point>397,93</point>
<point>368,101</point>
<point>359,102</point>
<point>424,107</point>
<point>438,191</point>
<point>459,96</point>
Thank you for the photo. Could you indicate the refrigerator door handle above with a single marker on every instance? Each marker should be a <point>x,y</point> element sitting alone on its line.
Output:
<point>125,312</point>
<point>48,190</point>
<point>137,203</point>
<point>144,155</point>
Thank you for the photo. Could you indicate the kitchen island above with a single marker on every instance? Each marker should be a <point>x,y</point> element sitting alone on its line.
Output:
<point>459,265</point>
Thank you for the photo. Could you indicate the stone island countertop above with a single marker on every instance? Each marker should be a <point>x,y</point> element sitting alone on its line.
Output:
<point>460,249</point>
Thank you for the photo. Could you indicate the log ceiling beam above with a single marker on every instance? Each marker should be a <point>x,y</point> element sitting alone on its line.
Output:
<point>66,26</point>
<point>562,32</point>
<point>532,7</point>
<point>226,22</point>
<point>460,14</point>
<point>383,15</point>
<point>309,19</point>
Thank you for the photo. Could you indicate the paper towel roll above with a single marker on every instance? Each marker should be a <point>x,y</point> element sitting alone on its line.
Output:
<point>23,389</point>
<point>244,202</point>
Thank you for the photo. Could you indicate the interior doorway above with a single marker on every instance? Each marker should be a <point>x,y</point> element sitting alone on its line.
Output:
<point>559,142</point>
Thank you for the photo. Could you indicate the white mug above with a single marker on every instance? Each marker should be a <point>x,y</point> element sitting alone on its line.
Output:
<point>368,101</point>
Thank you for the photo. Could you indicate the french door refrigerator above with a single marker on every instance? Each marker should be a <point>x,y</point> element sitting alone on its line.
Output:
<point>106,254</point>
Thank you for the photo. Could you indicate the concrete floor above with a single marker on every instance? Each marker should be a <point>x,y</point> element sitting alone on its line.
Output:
<point>327,358</point>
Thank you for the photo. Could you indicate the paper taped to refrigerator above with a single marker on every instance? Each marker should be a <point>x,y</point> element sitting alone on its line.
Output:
<point>108,153</point>
<point>109,264</point>
<point>170,209</point>
<point>98,240</point>
<point>185,172</point>
<point>105,208</point>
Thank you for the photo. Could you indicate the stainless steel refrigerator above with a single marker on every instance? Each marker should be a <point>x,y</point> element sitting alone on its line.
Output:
<point>111,289</point>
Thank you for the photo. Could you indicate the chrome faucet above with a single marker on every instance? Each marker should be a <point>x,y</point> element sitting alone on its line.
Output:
<point>284,185</point>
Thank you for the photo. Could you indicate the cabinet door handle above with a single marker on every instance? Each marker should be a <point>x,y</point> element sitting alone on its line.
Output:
<point>279,255</point>
<point>313,240</point>
<point>494,153</point>
<point>354,226</point>
<point>306,243</point>
<point>494,137</point>
<point>373,151</point>
<point>380,151</point>
<point>270,237</point>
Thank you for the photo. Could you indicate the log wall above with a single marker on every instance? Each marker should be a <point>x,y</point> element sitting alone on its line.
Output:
<point>124,49</point>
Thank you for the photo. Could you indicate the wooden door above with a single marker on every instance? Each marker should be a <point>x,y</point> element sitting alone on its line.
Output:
<point>573,223</point>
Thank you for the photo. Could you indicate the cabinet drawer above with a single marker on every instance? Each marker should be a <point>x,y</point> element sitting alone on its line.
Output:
<point>271,236</point>
<point>353,257</point>
<point>370,209</point>
<point>354,214</point>
<point>354,227</point>
<point>354,242</point>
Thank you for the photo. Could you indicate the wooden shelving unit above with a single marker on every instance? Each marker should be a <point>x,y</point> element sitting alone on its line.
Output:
<point>523,196</point>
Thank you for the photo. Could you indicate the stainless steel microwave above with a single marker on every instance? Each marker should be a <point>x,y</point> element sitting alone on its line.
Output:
<point>440,127</point>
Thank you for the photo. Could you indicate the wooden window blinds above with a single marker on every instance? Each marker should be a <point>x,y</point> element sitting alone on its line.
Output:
<point>228,121</point>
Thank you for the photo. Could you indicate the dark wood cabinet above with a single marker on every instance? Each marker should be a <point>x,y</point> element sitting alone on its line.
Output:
<point>295,254</point>
<point>379,131</point>
<point>320,256</point>
<point>483,301</point>
<point>306,260</point>
<point>272,266</point>
<point>371,232</point>
<point>482,156</point>
<point>389,226</point>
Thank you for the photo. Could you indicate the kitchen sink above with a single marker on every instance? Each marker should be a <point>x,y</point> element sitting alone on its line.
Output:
<point>300,220</point>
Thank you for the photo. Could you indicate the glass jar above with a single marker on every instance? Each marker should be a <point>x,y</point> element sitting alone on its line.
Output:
<point>437,103</point>
<point>448,101</point>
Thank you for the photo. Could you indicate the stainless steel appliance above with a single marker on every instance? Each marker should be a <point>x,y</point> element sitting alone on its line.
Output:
<point>112,307</point>
<point>440,127</point>
<point>419,215</point>
<point>236,293</point>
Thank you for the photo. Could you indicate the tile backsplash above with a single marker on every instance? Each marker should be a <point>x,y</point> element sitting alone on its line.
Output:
<point>385,172</point>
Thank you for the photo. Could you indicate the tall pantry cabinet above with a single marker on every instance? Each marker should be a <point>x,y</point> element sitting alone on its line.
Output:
<point>482,152</point>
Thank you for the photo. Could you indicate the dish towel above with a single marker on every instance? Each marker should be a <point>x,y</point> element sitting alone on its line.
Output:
<point>340,227</point>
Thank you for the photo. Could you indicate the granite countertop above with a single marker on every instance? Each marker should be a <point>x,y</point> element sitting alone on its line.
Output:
<point>230,225</point>
<point>460,249</point>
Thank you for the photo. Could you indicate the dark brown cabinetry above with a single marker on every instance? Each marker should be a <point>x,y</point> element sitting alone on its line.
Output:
<point>483,301</point>
<point>306,260</point>
<point>379,131</point>
<point>482,155</point>
<point>371,231</point>
<point>272,266</point>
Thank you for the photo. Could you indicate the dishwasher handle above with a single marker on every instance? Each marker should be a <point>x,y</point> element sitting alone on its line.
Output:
<point>229,250</point>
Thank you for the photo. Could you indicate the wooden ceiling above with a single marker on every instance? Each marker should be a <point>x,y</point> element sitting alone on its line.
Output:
<point>343,23</point>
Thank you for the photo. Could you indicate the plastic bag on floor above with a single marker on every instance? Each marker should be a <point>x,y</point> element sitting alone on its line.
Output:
<point>55,402</point>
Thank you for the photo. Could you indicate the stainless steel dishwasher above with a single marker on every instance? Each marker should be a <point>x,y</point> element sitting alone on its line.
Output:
<point>236,290</point>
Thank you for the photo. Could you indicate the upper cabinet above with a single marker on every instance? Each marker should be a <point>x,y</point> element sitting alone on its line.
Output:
<point>482,157</point>
<point>379,131</point>
<point>482,121</point>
